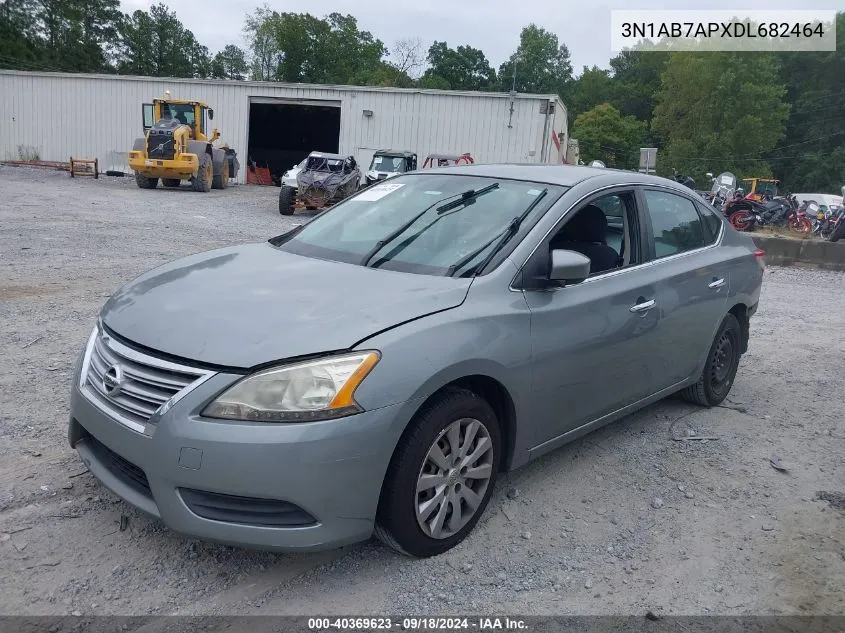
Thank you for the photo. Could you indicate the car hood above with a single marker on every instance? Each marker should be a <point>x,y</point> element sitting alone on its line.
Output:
<point>253,304</point>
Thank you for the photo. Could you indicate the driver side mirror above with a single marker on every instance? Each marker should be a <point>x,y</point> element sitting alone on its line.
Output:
<point>210,114</point>
<point>568,267</point>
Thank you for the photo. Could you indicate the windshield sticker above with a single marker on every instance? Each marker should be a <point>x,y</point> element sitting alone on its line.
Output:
<point>432,193</point>
<point>534,192</point>
<point>378,192</point>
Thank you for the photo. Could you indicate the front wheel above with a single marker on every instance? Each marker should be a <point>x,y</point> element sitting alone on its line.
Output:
<point>202,181</point>
<point>741,220</point>
<point>286,200</point>
<point>441,475</point>
<point>144,182</point>
<point>719,372</point>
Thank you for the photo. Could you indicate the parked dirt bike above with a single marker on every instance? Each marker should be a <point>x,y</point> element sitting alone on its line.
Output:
<point>746,215</point>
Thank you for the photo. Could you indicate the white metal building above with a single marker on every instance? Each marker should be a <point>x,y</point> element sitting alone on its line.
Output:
<point>56,116</point>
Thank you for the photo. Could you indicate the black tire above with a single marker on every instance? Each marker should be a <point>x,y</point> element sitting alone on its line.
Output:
<point>221,180</point>
<point>202,181</point>
<point>719,371</point>
<point>396,520</point>
<point>146,183</point>
<point>838,231</point>
<point>286,196</point>
<point>171,182</point>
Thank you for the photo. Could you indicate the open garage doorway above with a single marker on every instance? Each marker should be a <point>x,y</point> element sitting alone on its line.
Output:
<point>283,132</point>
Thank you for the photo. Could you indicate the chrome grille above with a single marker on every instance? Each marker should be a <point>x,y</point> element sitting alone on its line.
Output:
<point>138,384</point>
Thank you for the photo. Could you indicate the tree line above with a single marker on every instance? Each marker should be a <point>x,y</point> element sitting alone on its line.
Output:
<point>755,114</point>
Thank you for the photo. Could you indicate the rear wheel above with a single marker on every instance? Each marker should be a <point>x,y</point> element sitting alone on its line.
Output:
<point>202,181</point>
<point>741,220</point>
<point>170,182</point>
<point>221,181</point>
<point>719,372</point>
<point>441,476</point>
<point>286,195</point>
<point>838,231</point>
<point>145,183</point>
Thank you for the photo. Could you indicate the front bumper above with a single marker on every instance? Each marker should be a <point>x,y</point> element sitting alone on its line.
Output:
<point>184,167</point>
<point>330,470</point>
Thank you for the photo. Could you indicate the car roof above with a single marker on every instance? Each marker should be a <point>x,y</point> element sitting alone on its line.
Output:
<point>394,152</point>
<point>564,175</point>
<point>448,156</point>
<point>327,155</point>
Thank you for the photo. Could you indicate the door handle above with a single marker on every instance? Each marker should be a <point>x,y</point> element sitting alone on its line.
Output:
<point>643,307</point>
<point>716,283</point>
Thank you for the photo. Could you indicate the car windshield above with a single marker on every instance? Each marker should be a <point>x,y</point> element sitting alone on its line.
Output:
<point>426,224</point>
<point>389,164</point>
<point>324,163</point>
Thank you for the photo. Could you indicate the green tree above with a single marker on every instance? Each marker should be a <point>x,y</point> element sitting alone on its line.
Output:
<point>541,64</point>
<point>299,47</point>
<point>230,63</point>
<point>636,80</point>
<point>20,47</point>
<point>461,68</point>
<point>811,155</point>
<point>604,134</point>
<point>719,111</point>
<point>593,87</point>
<point>155,43</point>
<point>258,30</point>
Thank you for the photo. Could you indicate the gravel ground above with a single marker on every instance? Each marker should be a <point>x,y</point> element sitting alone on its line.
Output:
<point>622,521</point>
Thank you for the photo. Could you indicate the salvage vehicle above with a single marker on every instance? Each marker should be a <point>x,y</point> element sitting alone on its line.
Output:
<point>289,177</point>
<point>374,370</point>
<point>760,189</point>
<point>179,145</point>
<point>447,160</point>
<point>387,163</point>
<point>324,180</point>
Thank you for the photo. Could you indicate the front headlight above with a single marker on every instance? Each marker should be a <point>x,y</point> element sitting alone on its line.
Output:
<point>301,392</point>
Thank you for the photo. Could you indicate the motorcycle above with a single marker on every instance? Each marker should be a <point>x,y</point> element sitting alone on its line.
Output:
<point>836,228</point>
<point>723,189</point>
<point>745,215</point>
<point>687,181</point>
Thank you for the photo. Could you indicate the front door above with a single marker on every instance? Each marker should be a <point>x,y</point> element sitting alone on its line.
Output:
<point>593,342</point>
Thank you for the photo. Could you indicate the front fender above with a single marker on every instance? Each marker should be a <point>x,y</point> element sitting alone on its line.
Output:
<point>421,357</point>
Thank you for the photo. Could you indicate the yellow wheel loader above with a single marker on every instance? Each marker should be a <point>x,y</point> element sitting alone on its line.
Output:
<point>178,145</point>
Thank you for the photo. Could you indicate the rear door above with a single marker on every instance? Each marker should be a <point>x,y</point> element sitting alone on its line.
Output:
<point>693,280</point>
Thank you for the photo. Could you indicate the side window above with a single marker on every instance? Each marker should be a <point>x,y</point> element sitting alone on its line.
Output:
<point>675,223</point>
<point>149,119</point>
<point>712,223</point>
<point>603,230</point>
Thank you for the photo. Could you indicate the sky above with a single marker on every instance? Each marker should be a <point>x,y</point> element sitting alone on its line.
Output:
<point>490,25</point>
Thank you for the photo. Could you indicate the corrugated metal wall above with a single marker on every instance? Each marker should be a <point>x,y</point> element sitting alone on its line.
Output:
<point>99,116</point>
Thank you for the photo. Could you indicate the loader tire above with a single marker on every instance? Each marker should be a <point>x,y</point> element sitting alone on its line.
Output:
<point>146,183</point>
<point>205,173</point>
<point>221,180</point>
<point>286,195</point>
<point>170,182</point>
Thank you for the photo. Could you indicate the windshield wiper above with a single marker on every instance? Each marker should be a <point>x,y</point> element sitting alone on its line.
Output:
<point>465,198</point>
<point>502,238</point>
